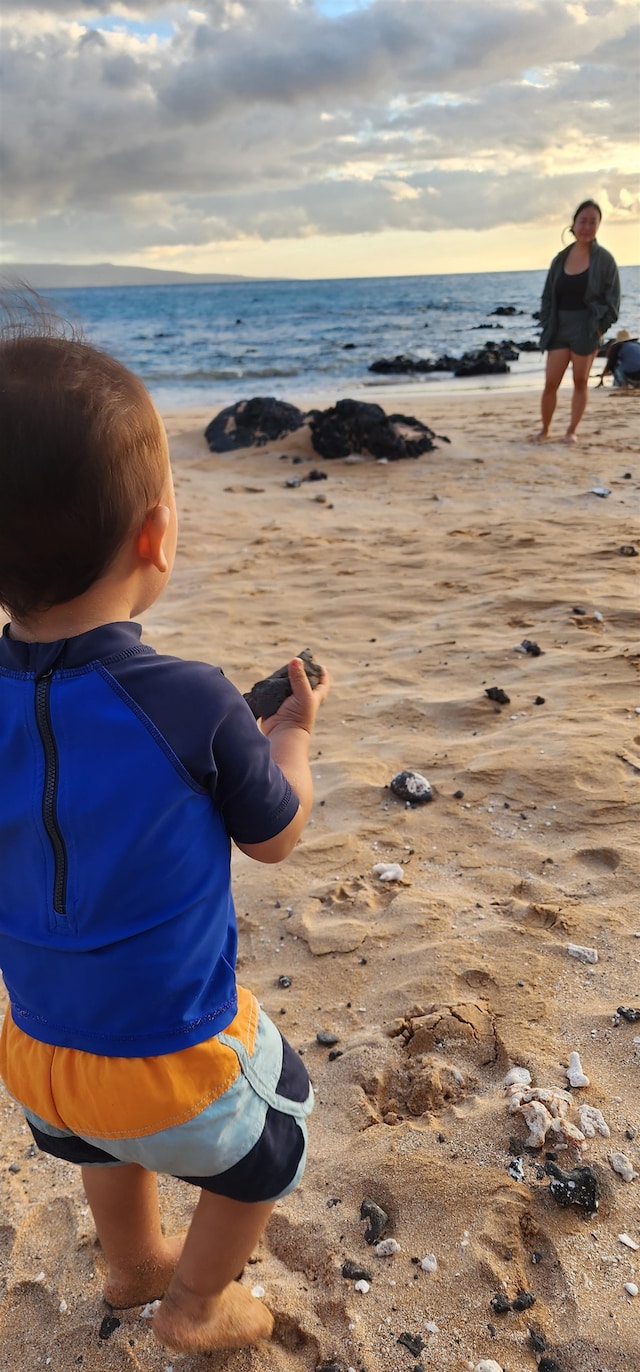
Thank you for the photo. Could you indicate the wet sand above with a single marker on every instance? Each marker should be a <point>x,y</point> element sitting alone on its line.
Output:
<point>415,582</point>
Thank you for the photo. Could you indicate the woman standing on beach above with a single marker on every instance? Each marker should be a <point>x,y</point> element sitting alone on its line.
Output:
<point>581,298</point>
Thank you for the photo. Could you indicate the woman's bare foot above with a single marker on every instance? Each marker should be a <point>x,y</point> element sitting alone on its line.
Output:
<point>149,1281</point>
<point>188,1323</point>
<point>570,438</point>
<point>540,437</point>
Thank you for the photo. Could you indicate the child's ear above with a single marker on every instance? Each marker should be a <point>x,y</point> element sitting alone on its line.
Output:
<point>150,540</point>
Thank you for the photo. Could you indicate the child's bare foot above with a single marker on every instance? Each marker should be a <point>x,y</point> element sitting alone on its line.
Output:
<point>188,1323</point>
<point>147,1282</point>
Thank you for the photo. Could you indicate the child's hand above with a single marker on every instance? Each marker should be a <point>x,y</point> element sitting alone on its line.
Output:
<point>299,710</point>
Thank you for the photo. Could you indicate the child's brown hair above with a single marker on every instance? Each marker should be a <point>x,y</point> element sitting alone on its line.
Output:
<point>82,461</point>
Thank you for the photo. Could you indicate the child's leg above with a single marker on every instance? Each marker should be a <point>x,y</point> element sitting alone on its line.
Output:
<point>204,1307</point>
<point>124,1205</point>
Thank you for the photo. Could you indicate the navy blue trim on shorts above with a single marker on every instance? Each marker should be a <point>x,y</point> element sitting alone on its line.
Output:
<point>267,1169</point>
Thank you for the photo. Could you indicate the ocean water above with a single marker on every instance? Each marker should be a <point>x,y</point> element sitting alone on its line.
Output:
<point>300,340</point>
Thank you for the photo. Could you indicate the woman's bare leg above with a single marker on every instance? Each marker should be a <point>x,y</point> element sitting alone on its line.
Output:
<point>204,1307</point>
<point>581,368</point>
<point>557,363</point>
<point>124,1205</point>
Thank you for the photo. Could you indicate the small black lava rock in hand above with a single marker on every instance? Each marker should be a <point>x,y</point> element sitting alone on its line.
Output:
<point>266,696</point>
<point>412,787</point>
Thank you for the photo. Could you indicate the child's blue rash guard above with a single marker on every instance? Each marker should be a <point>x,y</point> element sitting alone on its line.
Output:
<point>124,777</point>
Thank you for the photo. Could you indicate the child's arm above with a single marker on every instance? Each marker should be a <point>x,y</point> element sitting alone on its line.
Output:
<point>289,731</point>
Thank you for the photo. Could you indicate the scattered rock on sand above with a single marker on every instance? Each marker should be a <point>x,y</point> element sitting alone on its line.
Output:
<point>352,426</point>
<point>577,950</point>
<point>621,1164</point>
<point>577,1187</point>
<point>497,694</point>
<point>412,787</point>
<point>377,1217</point>
<point>252,423</point>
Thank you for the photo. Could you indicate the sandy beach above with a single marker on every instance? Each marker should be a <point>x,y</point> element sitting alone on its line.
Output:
<point>416,582</point>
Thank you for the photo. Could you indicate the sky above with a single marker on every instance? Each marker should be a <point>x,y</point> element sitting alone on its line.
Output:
<point>316,138</point>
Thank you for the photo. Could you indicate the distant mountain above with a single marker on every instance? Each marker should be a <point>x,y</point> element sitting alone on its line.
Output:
<point>49,275</point>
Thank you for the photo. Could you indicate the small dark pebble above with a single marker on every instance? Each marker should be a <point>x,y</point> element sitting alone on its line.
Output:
<point>14,1167</point>
<point>332,1365</point>
<point>108,1327</point>
<point>578,610</point>
<point>627,476</point>
<point>354,1271</point>
<point>335,1053</point>
<point>363,962</point>
<point>577,1187</point>
<point>515,1147</point>
<point>536,1257</point>
<point>292,482</point>
<point>628,550</point>
<point>537,1341</point>
<point>378,1221</point>
<point>413,1342</point>
<point>630,1133</point>
<point>500,1303</point>
<point>335,1200</point>
<point>496,693</point>
<point>628,1012</point>
<point>533,649</point>
<point>523,1301</point>
<point>549,1365</point>
<point>327,1038</point>
<point>539,700</point>
<point>492,1330</point>
<point>458,795</point>
<point>316,475</point>
<point>284,982</point>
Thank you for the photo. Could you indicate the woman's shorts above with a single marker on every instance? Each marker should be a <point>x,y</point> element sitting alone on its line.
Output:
<point>249,1144</point>
<point>575,330</point>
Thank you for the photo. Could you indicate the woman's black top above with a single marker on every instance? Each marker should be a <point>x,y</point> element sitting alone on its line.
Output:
<point>571,289</point>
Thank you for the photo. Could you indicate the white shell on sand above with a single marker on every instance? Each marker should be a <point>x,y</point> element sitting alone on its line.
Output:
<point>621,1164</point>
<point>430,1263</point>
<point>628,1241</point>
<point>631,1288</point>
<point>576,950</point>
<point>487,1365</point>
<point>389,871</point>
<point>592,1122</point>
<point>362,1286</point>
<point>575,1073</point>
<point>386,1248</point>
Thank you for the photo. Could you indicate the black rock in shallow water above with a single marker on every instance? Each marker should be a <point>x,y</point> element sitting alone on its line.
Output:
<point>265,697</point>
<point>577,1187</point>
<point>252,423</point>
<point>352,426</point>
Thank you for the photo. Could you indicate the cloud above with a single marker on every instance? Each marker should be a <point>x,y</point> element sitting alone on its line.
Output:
<point>168,124</point>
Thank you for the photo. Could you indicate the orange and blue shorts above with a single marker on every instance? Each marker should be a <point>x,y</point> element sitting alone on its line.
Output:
<point>227,1115</point>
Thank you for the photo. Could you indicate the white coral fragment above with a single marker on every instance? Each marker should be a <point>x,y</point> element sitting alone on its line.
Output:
<point>575,1073</point>
<point>539,1122</point>
<point>388,871</point>
<point>517,1076</point>
<point>621,1165</point>
<point>592,1122</point>
<point>577,950</point>
<point>386,1248</point>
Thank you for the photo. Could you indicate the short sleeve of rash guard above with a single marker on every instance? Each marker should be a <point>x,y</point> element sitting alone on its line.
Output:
<point>211,730</point>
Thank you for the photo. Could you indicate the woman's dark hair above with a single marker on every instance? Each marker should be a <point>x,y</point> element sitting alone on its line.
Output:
<point>587,205</point>
<point>82,461</point>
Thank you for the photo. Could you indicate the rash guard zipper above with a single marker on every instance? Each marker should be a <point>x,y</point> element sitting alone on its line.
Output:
<point>50,792</point>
